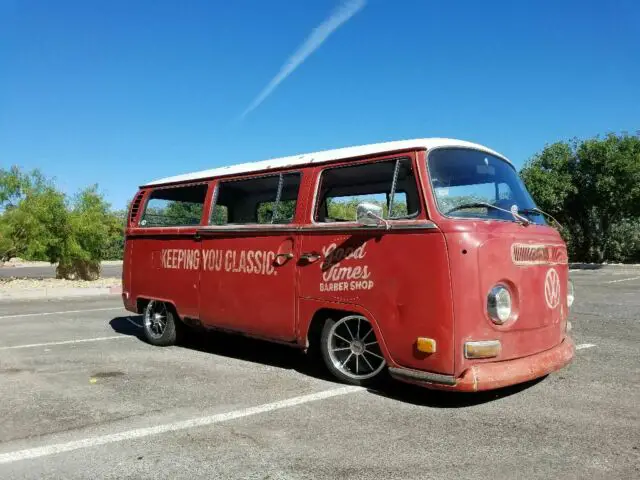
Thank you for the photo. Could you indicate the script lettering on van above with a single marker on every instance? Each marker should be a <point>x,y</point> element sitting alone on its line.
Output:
<point>344,278</point>
<point>257,262</point>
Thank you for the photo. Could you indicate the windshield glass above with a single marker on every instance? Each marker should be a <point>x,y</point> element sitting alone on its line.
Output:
<point>462,178</point>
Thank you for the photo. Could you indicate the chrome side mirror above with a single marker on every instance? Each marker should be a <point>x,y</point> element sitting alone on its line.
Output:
<point>369,214</point>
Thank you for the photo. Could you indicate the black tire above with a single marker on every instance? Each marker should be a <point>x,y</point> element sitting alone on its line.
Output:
<point>169,333</point>
<point>377,374</point>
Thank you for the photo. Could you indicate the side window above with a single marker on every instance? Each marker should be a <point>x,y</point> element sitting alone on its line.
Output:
<point>174,206</point>
<point>390,184</point>
<point>261,200</point>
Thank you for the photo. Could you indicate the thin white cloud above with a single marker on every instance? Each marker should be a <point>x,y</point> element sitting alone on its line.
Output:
<point>317,37</point>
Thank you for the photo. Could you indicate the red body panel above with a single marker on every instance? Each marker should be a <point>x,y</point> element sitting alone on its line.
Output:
<point>424,277</point>
<point>246,287</point>
<point>372,276</point>
<point>158,272</point>
<point>492,375</point>
<point>488,262</point>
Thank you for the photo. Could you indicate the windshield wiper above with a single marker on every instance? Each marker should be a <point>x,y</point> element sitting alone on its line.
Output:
<point>537,210</point>
<point>525,221</point>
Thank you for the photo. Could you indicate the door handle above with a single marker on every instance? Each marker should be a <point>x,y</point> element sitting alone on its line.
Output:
<point>282,258</point>
<point>310,257</point>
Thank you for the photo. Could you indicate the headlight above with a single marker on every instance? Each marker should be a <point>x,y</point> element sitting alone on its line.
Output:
<point>570,294</point>
<point>499,304</point>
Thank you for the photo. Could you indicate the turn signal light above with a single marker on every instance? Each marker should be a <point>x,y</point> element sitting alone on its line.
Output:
<point>482,349</point>
<point>426,345</point>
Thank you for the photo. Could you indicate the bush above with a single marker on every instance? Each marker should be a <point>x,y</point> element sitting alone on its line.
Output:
<point>623,243</point>
<point>593,188</point>
<point>38,222</point>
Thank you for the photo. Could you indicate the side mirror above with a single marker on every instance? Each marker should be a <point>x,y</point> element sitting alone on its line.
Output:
<point>369,214</point>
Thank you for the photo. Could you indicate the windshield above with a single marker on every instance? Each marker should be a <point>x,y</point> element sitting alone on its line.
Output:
<point>463,178</point>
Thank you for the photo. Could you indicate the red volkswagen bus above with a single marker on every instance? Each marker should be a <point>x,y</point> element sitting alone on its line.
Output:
<point>426,259</point>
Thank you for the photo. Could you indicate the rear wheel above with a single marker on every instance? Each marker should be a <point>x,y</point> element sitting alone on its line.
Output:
<point>159,324</point>
<point>350,350</point>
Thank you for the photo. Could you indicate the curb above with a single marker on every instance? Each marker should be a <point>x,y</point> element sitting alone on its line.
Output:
<point>56,292</point>
<point>106,263</point>
<point>604,266</point>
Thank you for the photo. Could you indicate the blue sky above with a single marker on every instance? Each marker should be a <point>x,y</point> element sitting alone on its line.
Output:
<point>122,92</point>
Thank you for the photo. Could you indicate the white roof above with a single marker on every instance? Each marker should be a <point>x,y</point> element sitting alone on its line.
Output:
<point>324,156</point>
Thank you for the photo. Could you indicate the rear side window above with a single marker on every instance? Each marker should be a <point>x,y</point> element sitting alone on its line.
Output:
<point>390,184</point>
<point>262,200</point>
<point>175,206</point>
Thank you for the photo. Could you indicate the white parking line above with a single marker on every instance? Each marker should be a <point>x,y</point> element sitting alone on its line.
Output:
<point>623,280</point>
<point>585,345</point>
<point>66,342</point>
<point>41,314</point>
<point>89,442</point>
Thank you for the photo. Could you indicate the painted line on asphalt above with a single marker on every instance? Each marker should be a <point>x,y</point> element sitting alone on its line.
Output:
<point>623,280</point>
<point>585,345</point>
<point>89,442</point>
<point>66,342</point>
<point>130,320</point>
<point>42,314</point>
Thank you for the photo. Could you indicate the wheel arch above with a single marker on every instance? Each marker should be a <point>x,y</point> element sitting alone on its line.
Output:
<point>314,314</point>
<point>142,302</point>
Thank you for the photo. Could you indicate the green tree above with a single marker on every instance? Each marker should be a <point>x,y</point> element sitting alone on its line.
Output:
<point>114,249</point>
<point>184,213</point>
<point>90,228</point>
<point>33,216</point>
<point>38,222</point>
<point>12,185</point>
<point>173,213</point>
<point>284,212</point>
<point>345,208</point>
<point>593,188</point>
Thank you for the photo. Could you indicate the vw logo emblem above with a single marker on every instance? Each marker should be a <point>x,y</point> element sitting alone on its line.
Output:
<point>552,288</point>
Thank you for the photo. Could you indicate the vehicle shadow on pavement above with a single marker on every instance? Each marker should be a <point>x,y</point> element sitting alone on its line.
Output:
<point>234,346</point>
<point>421,396</point>
<point>282,356</point>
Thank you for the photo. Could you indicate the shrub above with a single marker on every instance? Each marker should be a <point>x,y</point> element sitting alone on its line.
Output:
<point>38,222</point>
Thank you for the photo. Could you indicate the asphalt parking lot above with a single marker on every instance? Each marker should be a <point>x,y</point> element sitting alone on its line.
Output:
<point>83,397</point>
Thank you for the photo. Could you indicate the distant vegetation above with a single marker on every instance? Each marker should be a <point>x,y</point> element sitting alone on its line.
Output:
<point>592,187</point>
<point>39,222</point>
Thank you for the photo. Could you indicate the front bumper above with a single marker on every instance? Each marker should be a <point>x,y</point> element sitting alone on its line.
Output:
<point>489,376</point>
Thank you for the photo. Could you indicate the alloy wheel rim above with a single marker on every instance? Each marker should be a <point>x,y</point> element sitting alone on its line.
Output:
<point>354,349</point>
<point>155,319</point>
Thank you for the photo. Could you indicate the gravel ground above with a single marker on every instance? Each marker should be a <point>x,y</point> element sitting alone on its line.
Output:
<point>35,289</point>
<point>37,270</point>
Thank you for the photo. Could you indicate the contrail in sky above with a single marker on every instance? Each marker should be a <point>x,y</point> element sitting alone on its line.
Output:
<point>317,37</point>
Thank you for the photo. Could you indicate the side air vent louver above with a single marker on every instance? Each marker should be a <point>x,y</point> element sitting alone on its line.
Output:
<point>135,208</point>
<point>523,254</point>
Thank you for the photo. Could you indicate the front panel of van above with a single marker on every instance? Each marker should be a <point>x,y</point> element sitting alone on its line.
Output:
<point>503,245</point>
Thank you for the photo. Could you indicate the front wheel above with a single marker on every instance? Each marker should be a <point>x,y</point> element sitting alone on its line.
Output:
<point>350,350</point>
<point>159,324</point>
